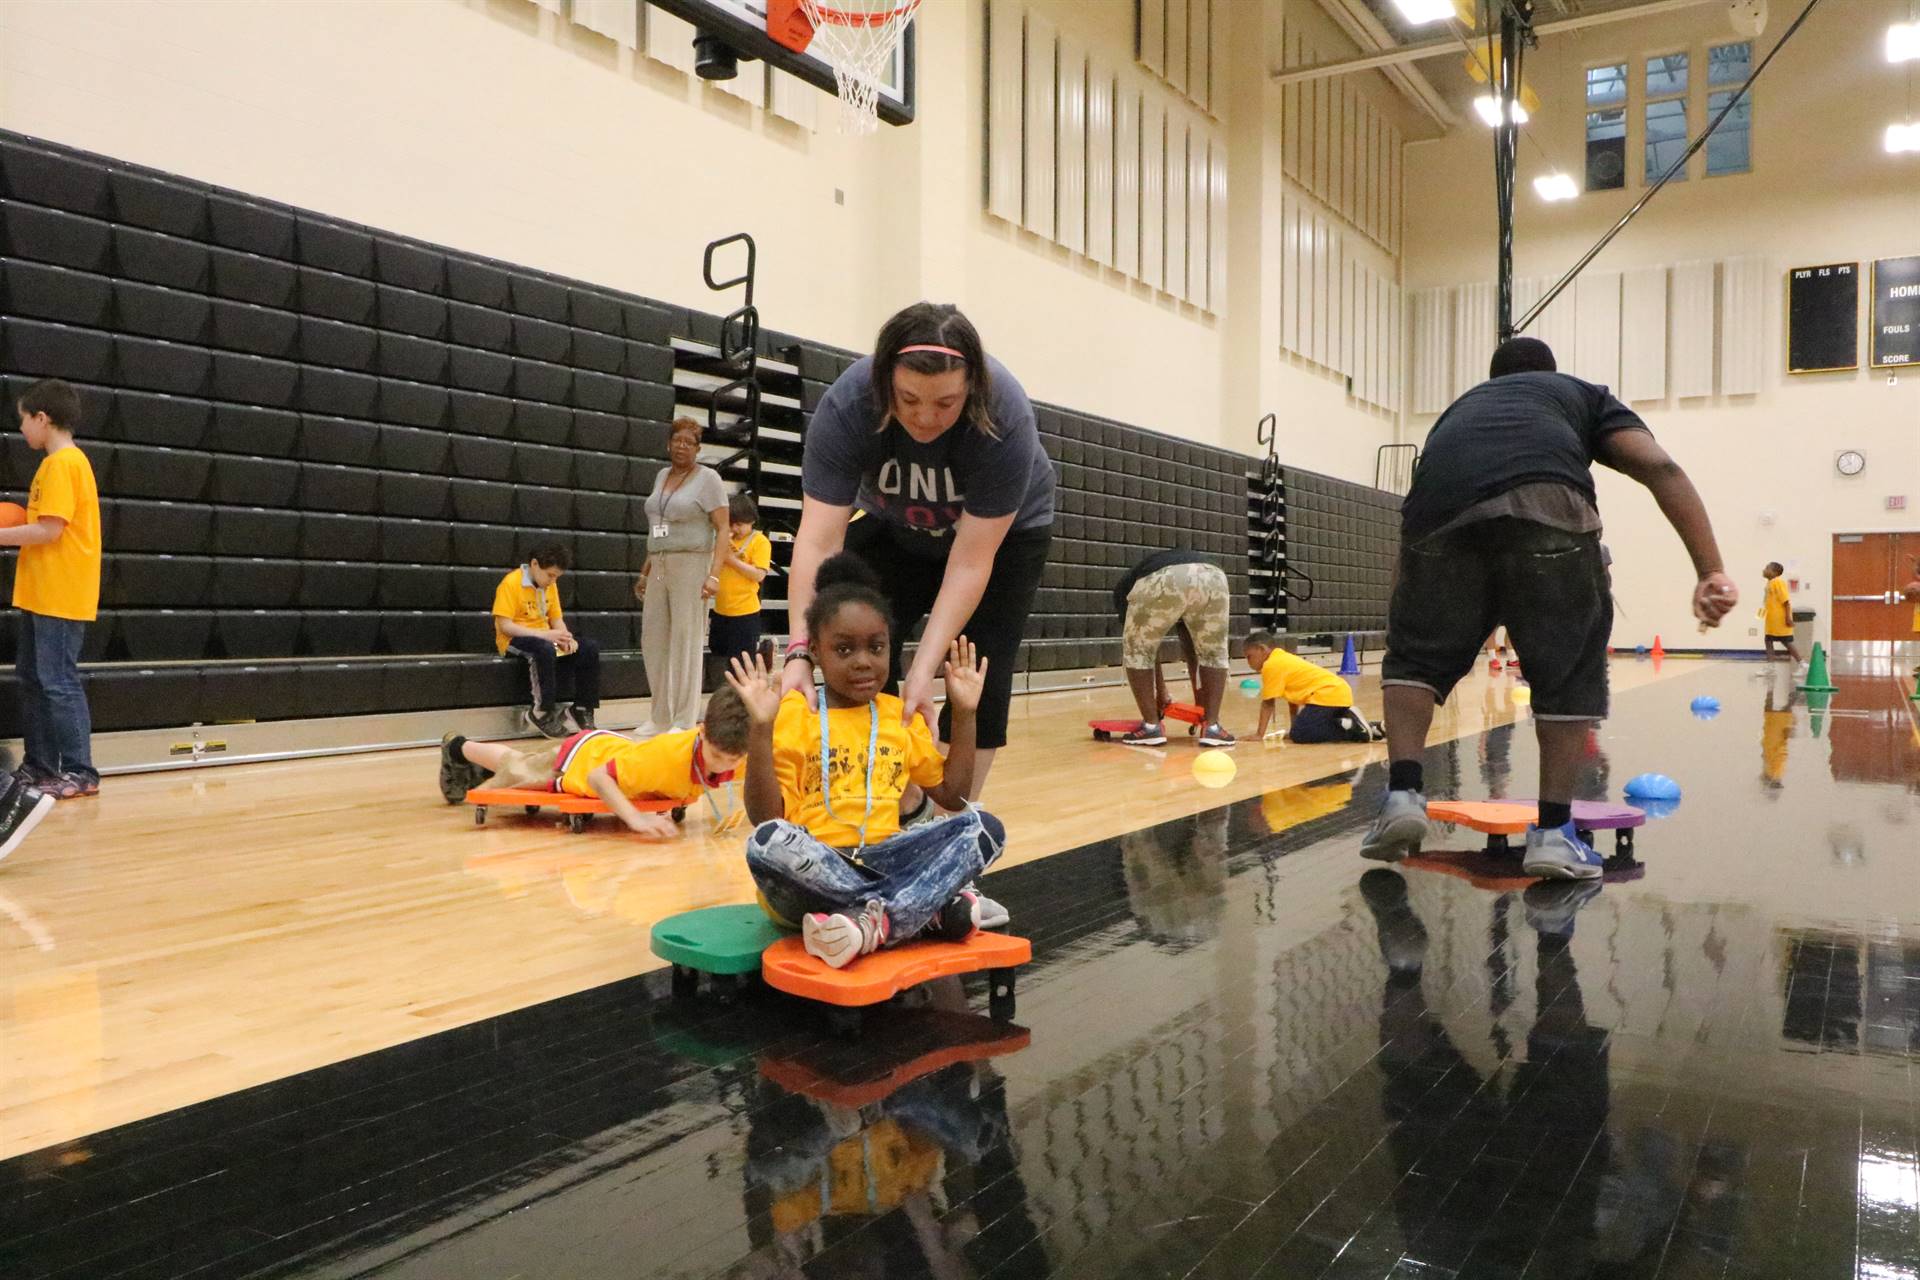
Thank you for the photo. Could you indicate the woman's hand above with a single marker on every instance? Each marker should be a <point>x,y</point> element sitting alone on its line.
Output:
<point>640,583</point>
<point>796,676</point>
<point>966,676</point>
<point>710,588</point>
<point>916,698</point>
<point>755,685</point>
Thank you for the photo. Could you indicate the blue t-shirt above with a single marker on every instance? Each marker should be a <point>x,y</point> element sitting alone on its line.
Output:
<point>850,459</point>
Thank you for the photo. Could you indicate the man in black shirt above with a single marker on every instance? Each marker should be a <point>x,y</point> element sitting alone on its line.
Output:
<point>1502,526</point>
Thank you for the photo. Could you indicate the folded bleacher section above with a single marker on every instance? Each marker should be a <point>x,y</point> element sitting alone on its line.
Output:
<point>320,444</point>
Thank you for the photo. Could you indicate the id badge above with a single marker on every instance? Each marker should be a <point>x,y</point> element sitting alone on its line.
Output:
<point>661,529</point>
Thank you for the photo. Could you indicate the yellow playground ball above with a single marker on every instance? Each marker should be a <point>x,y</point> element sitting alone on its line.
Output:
<point>1522,695</point>
<point>1213,768</point>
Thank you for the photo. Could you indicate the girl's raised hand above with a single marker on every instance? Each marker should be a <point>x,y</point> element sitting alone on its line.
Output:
<point>756,687</point>
<point>966,675</point>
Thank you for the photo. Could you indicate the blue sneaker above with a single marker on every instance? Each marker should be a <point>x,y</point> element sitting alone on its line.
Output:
<point>1560,854</point>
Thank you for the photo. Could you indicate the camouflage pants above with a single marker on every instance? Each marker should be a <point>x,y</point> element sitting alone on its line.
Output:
<point>1195,594</point>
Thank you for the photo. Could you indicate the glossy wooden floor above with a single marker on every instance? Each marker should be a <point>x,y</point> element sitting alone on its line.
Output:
<point>190,934</point>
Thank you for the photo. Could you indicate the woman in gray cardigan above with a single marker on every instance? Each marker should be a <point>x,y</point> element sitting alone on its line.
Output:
<point>686,545</point>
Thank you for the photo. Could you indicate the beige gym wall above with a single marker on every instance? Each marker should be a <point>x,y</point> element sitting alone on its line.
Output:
<point>1822,190</point>
<point>499,127</point>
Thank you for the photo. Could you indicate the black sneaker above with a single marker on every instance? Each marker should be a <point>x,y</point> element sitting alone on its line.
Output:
<point>1147,735</point>
<point>582,718</point>
<point>21,810</point>
<point>957,921</point>
<point>455,772</point>
<point>548,724</point>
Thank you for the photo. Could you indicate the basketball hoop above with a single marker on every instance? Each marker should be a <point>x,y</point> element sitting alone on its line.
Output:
<point>857,41</point>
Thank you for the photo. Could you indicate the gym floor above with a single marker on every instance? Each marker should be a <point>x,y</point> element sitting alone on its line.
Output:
<point>302,1020</point>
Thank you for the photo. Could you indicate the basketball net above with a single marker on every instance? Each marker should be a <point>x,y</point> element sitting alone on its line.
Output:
<point>857,39</point>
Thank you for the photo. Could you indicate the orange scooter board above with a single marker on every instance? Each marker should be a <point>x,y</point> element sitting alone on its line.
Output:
<point>873,979</point>
<point>1185,712</point>
<point>1499,819</point>
<point>576,808</point>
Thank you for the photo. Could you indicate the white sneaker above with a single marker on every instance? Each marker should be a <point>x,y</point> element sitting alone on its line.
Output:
<point>1560,854</point>
<point>1399,830</point>
<point>839,939</point>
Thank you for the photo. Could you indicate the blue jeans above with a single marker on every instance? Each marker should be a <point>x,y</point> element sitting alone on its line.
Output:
<point>913,874</point>
<point>54,718</point>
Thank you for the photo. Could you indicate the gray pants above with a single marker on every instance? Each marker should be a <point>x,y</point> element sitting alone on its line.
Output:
<point>673,629</point>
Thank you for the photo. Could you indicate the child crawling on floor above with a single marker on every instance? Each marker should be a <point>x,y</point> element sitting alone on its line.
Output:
<point>823,787</point>
<point>604,765</point>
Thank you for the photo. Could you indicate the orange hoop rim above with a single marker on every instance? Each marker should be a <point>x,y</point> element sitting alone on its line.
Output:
<point>848,18</point>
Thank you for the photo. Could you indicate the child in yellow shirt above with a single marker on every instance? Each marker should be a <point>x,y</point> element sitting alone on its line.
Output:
<point>56,588</point>
<point>1777,611</point>
<point>604,765</point>
<point>1319,703</point>
<point>735,626</point>
<point>823,787</point>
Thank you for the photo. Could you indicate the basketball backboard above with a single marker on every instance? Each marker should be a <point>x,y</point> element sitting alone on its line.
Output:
<point>742,26</point>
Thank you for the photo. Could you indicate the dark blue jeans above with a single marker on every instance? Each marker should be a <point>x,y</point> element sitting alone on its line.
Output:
<point>913,874</point>
<point>53,706</point>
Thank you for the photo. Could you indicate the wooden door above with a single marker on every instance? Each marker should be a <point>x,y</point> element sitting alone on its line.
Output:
<point>1868,571</point>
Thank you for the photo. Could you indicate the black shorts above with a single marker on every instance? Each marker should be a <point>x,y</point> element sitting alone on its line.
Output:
<point>727,637</point>
<point>1548,588</point>
<point>910,580</point>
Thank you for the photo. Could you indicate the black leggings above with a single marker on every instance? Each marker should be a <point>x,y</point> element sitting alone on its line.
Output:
<point>910,582</point>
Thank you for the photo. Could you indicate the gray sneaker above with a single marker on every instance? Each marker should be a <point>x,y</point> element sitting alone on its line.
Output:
<point>1400,829</point>
<point>1560,854</point>
<point>552,724</point>
<point>1552,904</point>
<point>990,914</point>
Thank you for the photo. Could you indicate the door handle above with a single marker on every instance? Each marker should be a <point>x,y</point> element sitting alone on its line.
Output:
<point>1883,598</point>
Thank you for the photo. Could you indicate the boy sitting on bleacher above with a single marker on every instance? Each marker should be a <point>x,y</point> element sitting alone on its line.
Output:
<point>610,767</point>
<point>562,667</point>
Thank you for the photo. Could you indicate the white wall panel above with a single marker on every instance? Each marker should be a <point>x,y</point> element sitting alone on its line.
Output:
<point>1323,282</point>
<point>1126,176</point>
<point>1217,225</point>
<point>1006,116</point>
<point>1558,326</point>
<point>1175,279</point>
<point>1596,352</point>
<point>1336,140</point>
<point>1290,273</point>
<point>749,86</point>
<point>1396,347</point>
<point>1176,72</point>
<point>1199,48</point>
<point>1322,147</point>
<point>1220,27</point>
<point>1199,222</point>
<point>1153,189</point>
<point>669,39</point>
<point>1070,190</point>
<point>1395,214</point>
<point>1691,335</point>
<point>1383,342</point>
<point>617,20</point>
<point>792,98</point>
<point>1643,334</point>
<point>1353,175</point>
<point>1037,209</point>
<point>1432,350</point>
<point>1744,300</point>
<point>1473,335</point>
<point>1100,162</point>
<point>1151,37</point>
<point>1291,98</point>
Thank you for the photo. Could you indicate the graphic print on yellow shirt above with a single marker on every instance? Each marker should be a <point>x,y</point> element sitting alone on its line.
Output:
<point>902,753</point>
<point>61,579</point>
<point>1295,680</point>
<point>738,594</point>
<point>516,599</point>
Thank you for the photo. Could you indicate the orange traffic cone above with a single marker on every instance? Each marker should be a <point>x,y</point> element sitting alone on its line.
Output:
<point>1658,652</point>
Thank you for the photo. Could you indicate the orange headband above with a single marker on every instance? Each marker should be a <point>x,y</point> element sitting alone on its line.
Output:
<point>937,350</point>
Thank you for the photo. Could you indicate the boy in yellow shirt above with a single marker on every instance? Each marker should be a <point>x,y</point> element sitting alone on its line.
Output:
<point>735,626</point>
<point>610,767</point>
<point>561,667</point>
<point>56,588</point>
<point>1777,610</point>
<point>1319,703</point>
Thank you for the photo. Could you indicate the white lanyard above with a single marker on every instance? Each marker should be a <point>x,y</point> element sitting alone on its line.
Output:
<point>826,778</point>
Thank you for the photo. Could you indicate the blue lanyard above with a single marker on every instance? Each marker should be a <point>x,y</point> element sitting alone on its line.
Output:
<point>826,778</point>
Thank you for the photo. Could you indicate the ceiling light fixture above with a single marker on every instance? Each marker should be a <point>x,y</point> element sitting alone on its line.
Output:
<point>1903,137</point>
<point>1555,186</point>
<point>1487,107</point>
<point>1903,42</point>
<point>1421,12</point>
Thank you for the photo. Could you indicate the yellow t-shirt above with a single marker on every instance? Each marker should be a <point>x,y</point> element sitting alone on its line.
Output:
<point>866,1175</point>
<point>739,595</point>
<point>658,768</point>
<point>902,753</point>
<point>1775,727</point>
<point>518,600</point>
<point>61,579</point>
<point>1291,677</point>
<point>1290,806</point>
<point>1779,615</point>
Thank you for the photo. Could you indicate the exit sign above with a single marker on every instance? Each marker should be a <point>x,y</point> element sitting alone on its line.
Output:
<point>1896,502</point>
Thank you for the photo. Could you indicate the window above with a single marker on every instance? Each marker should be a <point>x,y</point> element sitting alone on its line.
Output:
<point>1666,114</point>
<point>1729,150</point>
<point>1607,127</point>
